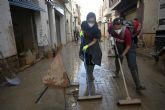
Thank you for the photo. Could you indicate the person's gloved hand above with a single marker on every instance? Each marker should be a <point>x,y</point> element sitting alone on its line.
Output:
<point>120,56</point>
<point>85,48</point>
<point>81,34</point>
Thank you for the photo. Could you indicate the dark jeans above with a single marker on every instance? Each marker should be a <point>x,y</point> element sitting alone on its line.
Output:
<point>120,47</point>
<point>88,58</point>
<point>89,66</point>
<point>131,60</point>
<point>135,40</point>
<point>131,57</point>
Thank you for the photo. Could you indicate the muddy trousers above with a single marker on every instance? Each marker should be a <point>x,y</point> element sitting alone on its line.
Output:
<point>89,67</point>
<point>132,64</point>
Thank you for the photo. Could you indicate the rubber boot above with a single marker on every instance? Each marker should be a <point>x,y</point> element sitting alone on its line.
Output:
<point>136,79</point>
<point>116,75</point>
<point>90,69</point>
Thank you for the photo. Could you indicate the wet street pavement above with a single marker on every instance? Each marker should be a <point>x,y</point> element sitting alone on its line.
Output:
<point>112,89</point>
<point>23,97</point>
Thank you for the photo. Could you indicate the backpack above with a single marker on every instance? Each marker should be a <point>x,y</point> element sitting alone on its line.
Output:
<point>130,26</point>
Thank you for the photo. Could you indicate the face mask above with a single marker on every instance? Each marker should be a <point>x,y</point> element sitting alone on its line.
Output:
<point>118,31</point>
<point>91,24</point>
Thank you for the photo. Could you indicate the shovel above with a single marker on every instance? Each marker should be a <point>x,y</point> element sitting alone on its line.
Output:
<point>14,80</point>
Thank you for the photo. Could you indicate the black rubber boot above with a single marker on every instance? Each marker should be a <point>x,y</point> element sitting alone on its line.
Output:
<point>136,79</point>
<point>116,75</point>
<point>90,69</point>
<point>117,67</point>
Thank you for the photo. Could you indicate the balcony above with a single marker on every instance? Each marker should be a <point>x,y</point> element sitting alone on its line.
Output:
<point>107,12</point>
<point>65,1</point>
<point>114,3</point>
<point>62,1</point>
<point>124,5</point>
<point>108,5</point>
<point>27,4</point>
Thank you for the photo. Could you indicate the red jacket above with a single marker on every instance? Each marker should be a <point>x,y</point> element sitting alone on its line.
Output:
<point>126,39</point>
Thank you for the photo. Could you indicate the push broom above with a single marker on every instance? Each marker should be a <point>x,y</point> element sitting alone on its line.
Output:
<point>128,100</point>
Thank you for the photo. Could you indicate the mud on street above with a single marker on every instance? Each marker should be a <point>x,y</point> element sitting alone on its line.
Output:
<point>23,97</point>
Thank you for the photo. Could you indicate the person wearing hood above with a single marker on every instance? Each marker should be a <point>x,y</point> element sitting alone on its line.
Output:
<point>90,46</point>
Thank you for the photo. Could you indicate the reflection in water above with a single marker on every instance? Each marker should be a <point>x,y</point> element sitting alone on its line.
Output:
<point>76,70</point>
<point>103,78</point>
<point>83,88</point>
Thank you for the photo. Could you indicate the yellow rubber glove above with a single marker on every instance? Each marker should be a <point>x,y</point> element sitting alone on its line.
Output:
<point>85,48</point>
<point>81,33</point>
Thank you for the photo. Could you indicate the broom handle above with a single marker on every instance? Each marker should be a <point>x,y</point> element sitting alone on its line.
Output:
<point>123,76</point>
<point>88,83</point>
<point>85,64</point>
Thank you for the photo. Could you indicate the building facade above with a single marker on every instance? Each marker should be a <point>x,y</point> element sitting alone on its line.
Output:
<point>145,10</point>
<point>76,15</point>
<point>34,26</point>
<point>69,20</point>
<point>106,15</point>
<point>150,21</point>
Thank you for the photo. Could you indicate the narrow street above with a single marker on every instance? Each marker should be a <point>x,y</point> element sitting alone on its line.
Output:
<point>23,97</point>
<point>112,89</point>
<point>40,66</point>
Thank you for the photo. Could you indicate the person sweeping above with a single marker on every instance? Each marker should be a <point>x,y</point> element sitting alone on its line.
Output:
<point>90,52</point>
<point>127,48</point>
<point>90,49</point>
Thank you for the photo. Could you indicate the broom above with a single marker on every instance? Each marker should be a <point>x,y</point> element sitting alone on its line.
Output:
<point>128,100</point>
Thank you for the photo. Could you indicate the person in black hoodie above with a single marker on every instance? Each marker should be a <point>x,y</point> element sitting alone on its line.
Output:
<point>90,47</point>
